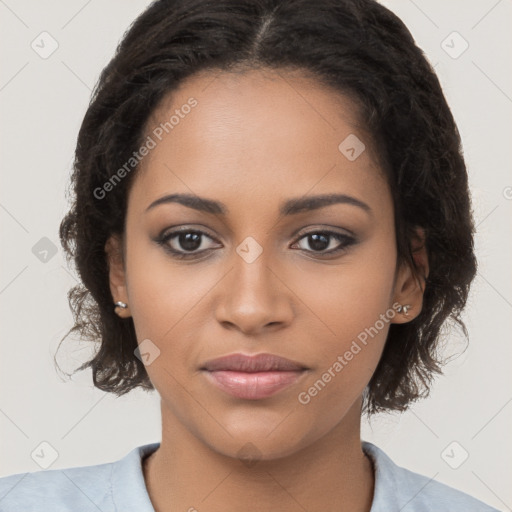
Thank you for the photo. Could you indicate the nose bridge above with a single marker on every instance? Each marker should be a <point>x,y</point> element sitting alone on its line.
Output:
<point>252,272</point>
<point>253,297</point>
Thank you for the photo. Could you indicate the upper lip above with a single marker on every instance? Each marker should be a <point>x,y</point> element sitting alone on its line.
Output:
<point>256,363</point>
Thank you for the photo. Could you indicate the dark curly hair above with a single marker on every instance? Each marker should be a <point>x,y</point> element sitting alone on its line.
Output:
<point>356,47</point>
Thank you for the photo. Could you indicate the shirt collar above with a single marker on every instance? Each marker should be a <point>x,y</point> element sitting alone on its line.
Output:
<point>129,490</point>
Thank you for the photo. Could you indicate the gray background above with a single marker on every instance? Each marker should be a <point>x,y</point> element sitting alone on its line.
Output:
<point>42,102</point>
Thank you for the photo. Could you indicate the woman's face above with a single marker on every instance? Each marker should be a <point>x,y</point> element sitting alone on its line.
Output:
<point>260,148</point>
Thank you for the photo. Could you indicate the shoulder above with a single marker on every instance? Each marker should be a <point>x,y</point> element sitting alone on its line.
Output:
<point>57,489</point>
<point>103,487</point>
<point>397,488</point>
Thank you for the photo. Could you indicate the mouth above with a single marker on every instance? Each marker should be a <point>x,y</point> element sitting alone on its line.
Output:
<point>253,377</point>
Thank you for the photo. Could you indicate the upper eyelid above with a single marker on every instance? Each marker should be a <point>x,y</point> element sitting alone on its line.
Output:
<point>332,230</point>
<point>170,232</point>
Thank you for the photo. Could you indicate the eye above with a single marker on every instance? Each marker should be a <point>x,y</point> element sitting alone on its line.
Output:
<point>191,243</point>
<point>320,241</point>
<point>183,243</point>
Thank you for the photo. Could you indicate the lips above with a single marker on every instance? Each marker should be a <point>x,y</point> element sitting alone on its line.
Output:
<point>250,364</point>
<point>253,377</point>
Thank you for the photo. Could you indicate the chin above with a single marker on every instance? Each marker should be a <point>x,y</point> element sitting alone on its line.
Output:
<point>255,439</point>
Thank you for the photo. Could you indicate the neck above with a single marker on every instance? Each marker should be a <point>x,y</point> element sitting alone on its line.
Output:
<point>330,474</point>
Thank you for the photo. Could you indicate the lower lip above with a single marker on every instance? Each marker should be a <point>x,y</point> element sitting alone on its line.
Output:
<point>253,386</point>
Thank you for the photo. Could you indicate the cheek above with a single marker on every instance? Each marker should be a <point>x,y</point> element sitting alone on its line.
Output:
<point>160,292</point>
<point>166,301</point>
<point>349,296</point>
<point>352,310</point>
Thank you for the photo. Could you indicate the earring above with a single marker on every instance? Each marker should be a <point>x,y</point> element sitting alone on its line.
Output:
<point>404,309</point>
<point>120,304</point>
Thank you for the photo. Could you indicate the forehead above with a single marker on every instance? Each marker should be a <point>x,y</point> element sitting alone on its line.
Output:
<point>269,135</point>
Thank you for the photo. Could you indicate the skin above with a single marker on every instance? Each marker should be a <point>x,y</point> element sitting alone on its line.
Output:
<point>253,141</point>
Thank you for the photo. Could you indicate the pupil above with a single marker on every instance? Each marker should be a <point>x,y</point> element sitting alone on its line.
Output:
<point>319,242</point>
<point>190,241</point>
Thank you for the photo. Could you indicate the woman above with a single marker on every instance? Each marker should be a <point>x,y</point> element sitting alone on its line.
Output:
<point>271,223</point>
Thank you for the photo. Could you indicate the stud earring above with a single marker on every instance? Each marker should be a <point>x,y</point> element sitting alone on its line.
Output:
<point>404,309</point>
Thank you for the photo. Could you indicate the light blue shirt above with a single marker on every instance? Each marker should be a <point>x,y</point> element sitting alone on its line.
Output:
<point>120,487</point>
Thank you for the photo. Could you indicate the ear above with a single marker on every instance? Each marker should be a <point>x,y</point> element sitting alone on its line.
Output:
<point>409,285</point>
<point>117,274</point>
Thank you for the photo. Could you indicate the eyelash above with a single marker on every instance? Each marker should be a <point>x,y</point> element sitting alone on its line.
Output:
<point>164,238</point>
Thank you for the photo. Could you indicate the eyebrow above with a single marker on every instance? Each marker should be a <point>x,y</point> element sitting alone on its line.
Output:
<point>289,207</point>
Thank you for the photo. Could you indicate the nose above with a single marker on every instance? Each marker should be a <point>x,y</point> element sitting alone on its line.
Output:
<point>253,298</point>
